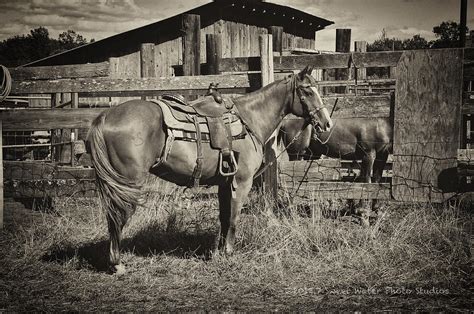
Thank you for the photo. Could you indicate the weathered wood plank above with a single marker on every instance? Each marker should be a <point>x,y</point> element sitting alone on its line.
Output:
<point>147,60</point>
<point>40,119</point>
<point>291,173</point>
<point>359,106</point>
<point>54,188</point>
<point>60,71</point>
<point>31,170</point>
<point>184,92</point>
<point>322,61</point>
<point>466,155</point>
<point>36,179</point>
<point>130,84</point>
<point>427,124</point>
<point>345,190</point>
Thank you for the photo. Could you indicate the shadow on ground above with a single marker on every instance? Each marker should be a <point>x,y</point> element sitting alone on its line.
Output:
<point>149,241</point>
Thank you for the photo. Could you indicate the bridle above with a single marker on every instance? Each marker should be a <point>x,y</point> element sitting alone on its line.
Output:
<point>312,117</point>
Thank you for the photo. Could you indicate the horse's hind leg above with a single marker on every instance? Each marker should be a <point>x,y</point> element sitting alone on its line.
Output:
<point>365,174</point>
<point>229,213</point>
<point>379,165</point>
<point>115,234</point>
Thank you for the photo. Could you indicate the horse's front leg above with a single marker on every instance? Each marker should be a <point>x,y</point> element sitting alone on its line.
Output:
<point>229,213</point>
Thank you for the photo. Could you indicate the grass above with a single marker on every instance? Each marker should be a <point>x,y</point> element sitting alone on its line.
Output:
<point>302,258</point>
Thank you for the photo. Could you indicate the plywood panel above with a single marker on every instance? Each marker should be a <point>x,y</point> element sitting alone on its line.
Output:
<point>427,124</point>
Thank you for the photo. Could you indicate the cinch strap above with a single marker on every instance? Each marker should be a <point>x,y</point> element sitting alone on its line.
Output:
<point>198,168</point>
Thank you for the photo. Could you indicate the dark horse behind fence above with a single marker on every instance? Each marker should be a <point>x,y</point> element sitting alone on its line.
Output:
<point>133,139</point>
<point>366,139</point>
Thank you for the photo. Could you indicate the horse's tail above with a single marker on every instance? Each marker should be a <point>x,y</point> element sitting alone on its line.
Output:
<point>119,195</point>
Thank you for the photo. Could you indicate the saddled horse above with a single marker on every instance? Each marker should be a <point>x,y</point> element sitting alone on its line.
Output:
<point>130,140</point>
<point>366,139</point>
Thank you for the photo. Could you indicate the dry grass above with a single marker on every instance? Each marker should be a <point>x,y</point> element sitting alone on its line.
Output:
<point>307,258</point>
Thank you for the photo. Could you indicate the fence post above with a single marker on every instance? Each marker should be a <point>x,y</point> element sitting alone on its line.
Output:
<point>74,132</point>
<point>213,53</point>
<point>343,44</point>
<point>1,175</point>
<point>266,63</point>
<point>55,133</point>
<point>360,73</point>
<point>191,27</point>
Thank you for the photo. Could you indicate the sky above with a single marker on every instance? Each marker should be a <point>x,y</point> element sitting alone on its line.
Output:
<point>99,19</point>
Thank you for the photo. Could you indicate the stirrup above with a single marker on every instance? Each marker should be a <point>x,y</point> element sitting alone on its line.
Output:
<point>233,163</point>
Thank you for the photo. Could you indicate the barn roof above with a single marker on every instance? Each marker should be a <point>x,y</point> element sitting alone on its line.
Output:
<point>253,12</point>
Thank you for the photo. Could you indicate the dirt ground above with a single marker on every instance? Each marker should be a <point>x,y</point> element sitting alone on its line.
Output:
<point>44,271</point>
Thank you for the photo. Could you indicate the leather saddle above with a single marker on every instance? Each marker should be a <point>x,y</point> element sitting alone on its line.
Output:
<point>205,120</point>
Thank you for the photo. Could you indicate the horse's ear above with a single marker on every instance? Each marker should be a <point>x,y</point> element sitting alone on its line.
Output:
<point>307,70</point>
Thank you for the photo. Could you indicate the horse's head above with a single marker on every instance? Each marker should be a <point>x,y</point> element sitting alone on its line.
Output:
<point>308,103</point>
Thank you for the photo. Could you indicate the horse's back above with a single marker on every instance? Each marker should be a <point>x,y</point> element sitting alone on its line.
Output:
<point>369,133</point>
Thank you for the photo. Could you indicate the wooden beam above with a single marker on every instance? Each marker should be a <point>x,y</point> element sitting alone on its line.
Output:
<point>213,53</point>
<point>184,92</point>
<point>343,44</point>
<point>321,61</point>
<point>191,28</point>
<point>44,119</point>
<point>462,24</point>
<point>360,73</point>
<point>60,71</point>
<point>139,85</point>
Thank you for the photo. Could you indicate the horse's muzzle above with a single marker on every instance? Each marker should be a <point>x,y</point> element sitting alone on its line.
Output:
<point>321,120</point>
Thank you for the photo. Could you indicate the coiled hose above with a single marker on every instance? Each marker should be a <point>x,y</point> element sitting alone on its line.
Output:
<point>6,86</point>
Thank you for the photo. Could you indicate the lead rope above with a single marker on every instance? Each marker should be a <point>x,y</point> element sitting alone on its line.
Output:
<point>262,170</point>
<point>6,86</point>
<point>312,160</point>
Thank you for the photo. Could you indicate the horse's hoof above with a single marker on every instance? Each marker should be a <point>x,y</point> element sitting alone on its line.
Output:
<point>364,221</point>
<point>119,270</point>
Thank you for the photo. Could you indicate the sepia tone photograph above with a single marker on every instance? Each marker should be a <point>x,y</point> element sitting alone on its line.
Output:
<point>236,155</point>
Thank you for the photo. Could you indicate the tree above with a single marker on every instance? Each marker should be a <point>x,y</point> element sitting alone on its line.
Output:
<point>388,44</point>
<point>71,39</point>
<point>383,43</point>
<point>19,50</point>
<point>416,42</point>
<point>447,34</point>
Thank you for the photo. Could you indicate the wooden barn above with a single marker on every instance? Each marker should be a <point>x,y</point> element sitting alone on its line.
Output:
<point>238,22</point>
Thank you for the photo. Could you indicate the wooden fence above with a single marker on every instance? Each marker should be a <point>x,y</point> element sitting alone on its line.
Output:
<point>426,86</point>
